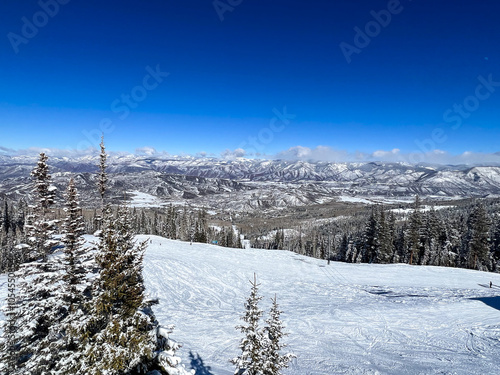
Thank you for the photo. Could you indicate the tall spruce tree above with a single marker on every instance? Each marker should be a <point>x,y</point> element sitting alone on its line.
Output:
<point>386,243</point>
<point>38,297</point>
<point>8,345</point>
<point>251,360</point>
<point>122,335</point>
<point>274,360</point>
<point>74,253</point>
<point>414,233</point>
<point>479,239</point>
<point>103,176</point>
<point>495,245</point>
<point>6,220</point>
<point>431,251</point>
<point>372,238</point>
<point>75,287</point>
<point>59,350</point>
<point>41,226</point>
<point>117,336</point>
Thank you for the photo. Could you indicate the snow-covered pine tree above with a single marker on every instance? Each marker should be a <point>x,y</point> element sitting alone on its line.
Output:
<point>6,220</point>
<point>343,249</point>
<point>414,232</point>
<point>122,335</point>
<point>391,237</point>
<point>155,228</point>
<point>277,240</point>
<point>37,298</point>
<point>274,360</point>
<point>452,244</point>
<point>479,224</point>
<point>372,238</point>
<point>167,360</point>
<point>192,227</point>
<point>431,239</point>
<point>222,237</point>
<point>250,361</point>
<point>230,237</point>
<point>238,245</point>
<point>74,253</point>
<point>45,191</point>
<point>56,350</point>
<point>201,227</point>
<point>117,336</point>
<point>40,313</point>
<point>75,286</point>
<point>40,226</point>
<point>495,245</point>
<point>384,253</point>
<point>8,350</point>
<point>184,225</point>
<point>20,217</point>
<point>3,252</point>
<point>103,176</point>
<point>102,181</point>
<point>171,228</point>
<point>9,254</point>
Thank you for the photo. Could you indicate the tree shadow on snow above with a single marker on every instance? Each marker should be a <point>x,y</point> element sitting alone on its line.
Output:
<point>198,365</point>
<point>490,301</point>
<point>493,286</point>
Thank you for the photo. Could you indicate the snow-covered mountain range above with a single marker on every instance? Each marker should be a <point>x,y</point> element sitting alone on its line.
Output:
<point>254,184</point>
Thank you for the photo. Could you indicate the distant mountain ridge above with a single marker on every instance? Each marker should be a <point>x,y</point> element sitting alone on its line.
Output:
<point>252,183</point>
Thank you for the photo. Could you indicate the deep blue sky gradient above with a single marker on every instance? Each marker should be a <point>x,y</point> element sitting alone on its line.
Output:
<point>226,77</point>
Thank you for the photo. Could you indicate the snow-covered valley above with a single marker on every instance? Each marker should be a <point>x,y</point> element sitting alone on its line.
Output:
<point>342,318</point>
<point>252,185</point>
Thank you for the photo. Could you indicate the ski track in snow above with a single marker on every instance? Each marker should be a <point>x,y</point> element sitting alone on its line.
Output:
<point>341,318</point>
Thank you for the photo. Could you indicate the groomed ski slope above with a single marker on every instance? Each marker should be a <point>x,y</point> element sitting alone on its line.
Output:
<point>342,318</point>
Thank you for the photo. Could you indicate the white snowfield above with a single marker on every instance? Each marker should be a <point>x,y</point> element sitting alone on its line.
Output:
<point>139,199</point>
<point>342,318</point>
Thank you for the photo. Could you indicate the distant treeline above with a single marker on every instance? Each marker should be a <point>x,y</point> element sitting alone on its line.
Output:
<point>466,236</point>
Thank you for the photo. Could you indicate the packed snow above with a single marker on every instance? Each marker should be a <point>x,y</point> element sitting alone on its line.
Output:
<point>374,200</point>
<point>140,199</point>
<point>407,211</point>
<point>342,318</point>
<point>348,199</point>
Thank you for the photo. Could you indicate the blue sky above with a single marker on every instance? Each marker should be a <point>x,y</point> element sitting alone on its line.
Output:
<point>262,76</point>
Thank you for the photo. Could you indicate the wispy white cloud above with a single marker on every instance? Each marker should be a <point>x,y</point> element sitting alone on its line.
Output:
<point>56,152</point>
<point>381,154</point>
<point>319,153</point>
<point>148,151</point>
<point>325,153</point>
<point>233,154</point>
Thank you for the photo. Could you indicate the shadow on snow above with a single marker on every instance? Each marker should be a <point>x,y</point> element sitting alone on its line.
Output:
<point>198,365</point>
<point>490,301</point>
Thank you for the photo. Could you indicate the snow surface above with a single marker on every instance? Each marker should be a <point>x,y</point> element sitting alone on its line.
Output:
<point>407,211</point>
<point>348,199</point>
<point>342,318</point>
<point>140,199</point>
<point>374,200</point>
